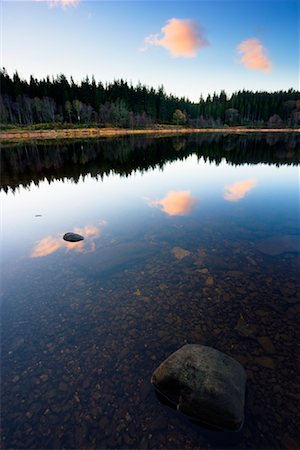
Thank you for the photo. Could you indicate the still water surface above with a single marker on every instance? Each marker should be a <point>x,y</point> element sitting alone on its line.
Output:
<point>187,240</point>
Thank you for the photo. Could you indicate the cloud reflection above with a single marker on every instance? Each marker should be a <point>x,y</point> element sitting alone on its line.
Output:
<point>175,203</point>
<point>236,191</point>
<point>51,244</point>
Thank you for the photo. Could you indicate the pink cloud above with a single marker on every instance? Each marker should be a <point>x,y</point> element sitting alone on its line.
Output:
<point>181,37</point>
<point>236,191</point>
<point>50,244</point>
<point>254,55</point>
<point>175,203</point>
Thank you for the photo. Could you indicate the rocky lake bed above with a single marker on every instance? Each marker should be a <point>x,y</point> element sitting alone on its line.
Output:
<point>85,324</point>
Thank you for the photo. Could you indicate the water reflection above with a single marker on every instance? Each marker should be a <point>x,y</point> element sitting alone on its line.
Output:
<point>83,330</point>
<point>237,191</point>
<point>176,203</point>
<point>23,164</point>
<point>51,244</point>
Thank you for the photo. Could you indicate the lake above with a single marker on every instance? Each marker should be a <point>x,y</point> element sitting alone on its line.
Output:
<point>189,239</point>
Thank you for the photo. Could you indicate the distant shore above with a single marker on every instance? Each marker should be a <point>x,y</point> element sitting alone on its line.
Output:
<point>78,133</point>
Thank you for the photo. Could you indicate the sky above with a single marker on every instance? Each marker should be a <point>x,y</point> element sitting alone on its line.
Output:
<point>192,48</point>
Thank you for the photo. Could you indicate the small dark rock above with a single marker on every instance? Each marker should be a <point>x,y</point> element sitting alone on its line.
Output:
<point>72,237</point>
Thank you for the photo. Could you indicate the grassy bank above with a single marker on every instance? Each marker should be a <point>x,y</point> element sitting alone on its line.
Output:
<point>25,134</point>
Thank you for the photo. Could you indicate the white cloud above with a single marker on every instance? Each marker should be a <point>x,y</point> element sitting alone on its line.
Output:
<point>60,3</point>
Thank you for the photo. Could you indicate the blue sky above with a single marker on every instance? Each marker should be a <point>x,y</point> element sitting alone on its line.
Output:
<point>106,39</point>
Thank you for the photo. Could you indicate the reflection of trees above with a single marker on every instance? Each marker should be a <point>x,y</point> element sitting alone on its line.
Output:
<point>26,163</point>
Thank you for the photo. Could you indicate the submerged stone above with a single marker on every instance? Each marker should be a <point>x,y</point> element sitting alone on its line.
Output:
<point>276,245</point>
<point>244,328</point>
<point>266,344</point>
<point>265,361</point>
<point>72,237</point>
<point>207,385</point>
<point>180,253</point>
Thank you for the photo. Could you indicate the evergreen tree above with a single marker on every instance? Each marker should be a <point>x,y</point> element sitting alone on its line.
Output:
<point>122,104</point>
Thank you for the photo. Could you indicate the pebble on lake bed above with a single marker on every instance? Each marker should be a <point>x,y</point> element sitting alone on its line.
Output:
<point>72,237</point>
<point>205,384</point>
<point>180,253</point>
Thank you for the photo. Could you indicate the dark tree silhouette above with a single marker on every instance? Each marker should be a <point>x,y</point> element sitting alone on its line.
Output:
<point>60,100</point>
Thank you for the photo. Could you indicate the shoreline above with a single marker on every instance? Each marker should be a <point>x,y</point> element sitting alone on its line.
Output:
<point>78,133</point>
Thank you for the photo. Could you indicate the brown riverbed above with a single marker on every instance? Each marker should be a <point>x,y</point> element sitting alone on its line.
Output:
<point>27,134</point>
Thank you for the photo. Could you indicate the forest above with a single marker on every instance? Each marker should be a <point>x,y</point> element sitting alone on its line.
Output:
<point>59,101</point>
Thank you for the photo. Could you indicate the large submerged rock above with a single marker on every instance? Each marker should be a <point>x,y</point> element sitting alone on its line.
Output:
<point>205,384</point>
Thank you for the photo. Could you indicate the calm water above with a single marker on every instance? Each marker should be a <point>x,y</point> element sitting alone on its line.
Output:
<point>186,240</point>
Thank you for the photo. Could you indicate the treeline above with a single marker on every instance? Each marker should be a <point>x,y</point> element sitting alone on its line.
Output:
<point>33,163</point>
<point>62,101</point>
